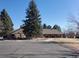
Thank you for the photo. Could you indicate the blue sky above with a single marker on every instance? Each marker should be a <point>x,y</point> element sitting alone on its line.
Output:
<point>52,11</point>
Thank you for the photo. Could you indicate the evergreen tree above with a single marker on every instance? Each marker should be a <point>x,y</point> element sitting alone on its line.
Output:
<point>7,22</point>
<point>32,23</point>
<point>49,27</point>
<point>57,27</point>
<point>44,26</point>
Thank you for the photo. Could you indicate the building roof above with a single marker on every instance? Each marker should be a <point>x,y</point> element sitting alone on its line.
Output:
<point>51,31</point>
<point>45,31</point>
<point>18,31</point>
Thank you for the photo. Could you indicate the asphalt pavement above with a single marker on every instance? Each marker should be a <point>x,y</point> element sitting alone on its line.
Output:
<point>33,49</point>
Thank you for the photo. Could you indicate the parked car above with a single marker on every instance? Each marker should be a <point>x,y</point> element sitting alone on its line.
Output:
<point>1,37</point>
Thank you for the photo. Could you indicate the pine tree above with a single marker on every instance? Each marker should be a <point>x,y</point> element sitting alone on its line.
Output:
<point>32,23</point>
<point>44,26</point>
<point>7,22</point>
<point>49,27</point>
<point>57,27</point>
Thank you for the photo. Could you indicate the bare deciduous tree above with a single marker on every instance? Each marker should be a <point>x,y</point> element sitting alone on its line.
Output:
<point>74,20</point>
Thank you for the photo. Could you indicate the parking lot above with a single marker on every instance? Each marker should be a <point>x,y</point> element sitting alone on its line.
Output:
<point>33,49</point>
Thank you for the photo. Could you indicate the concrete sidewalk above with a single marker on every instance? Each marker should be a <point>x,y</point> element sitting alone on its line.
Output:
<point>64,40</point>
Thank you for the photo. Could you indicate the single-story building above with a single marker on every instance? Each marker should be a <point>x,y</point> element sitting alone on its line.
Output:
<point>47,33</point>
<point>19,33</point>
<point>52,33</point>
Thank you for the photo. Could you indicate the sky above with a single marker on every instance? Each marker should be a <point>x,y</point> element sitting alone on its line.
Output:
<point>52,11</point>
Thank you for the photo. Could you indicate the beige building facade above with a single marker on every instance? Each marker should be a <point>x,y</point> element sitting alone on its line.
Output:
<point>19,33</point>
<point>47,33</point>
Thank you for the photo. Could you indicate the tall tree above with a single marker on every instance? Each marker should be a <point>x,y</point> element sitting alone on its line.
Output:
<point>49,27</point>
<point>44,26</point>
<point>57,27</point>
<point>7,22</point>
<point>74,23</point>
<point>32,23</point>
